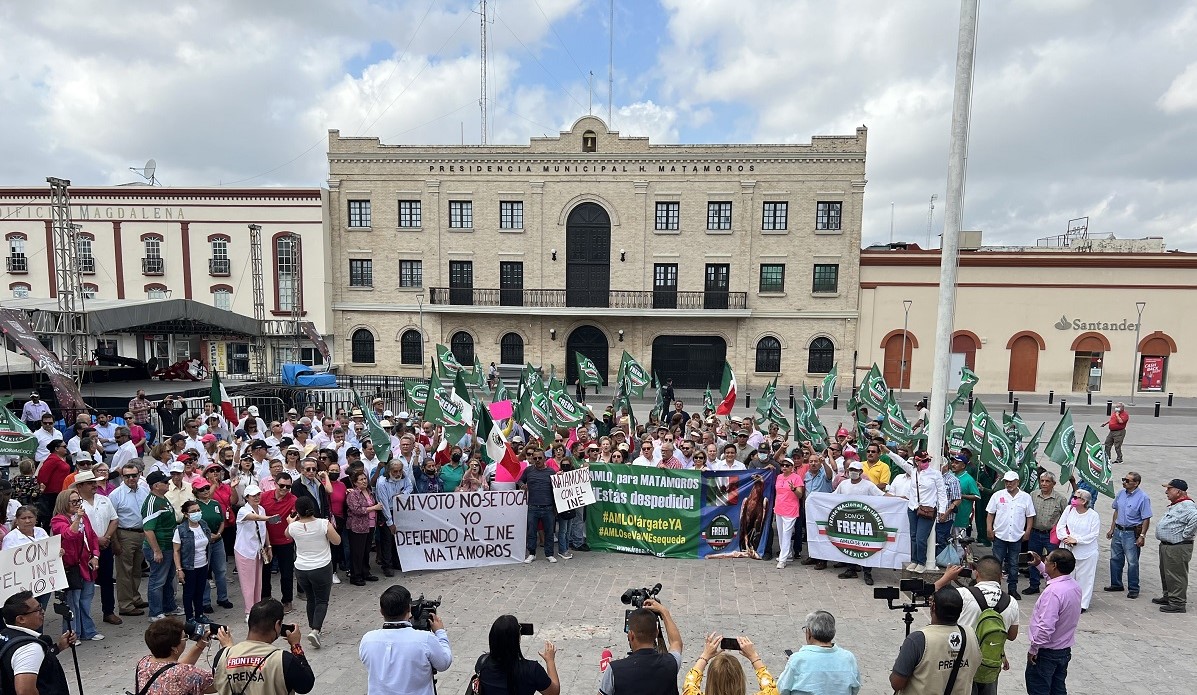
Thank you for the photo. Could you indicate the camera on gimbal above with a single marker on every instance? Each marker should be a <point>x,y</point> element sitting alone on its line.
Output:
<point>422,610</point>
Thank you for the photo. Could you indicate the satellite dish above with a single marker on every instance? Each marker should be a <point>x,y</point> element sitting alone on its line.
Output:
<point>150,167</point>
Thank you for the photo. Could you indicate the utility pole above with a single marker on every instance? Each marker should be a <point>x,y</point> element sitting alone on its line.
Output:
<point>953,206</point>
<point>482,101</point>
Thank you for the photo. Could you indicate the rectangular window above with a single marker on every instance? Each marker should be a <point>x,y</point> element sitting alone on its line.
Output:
<point>285,269</point>
<point>511,283</point>
<point>461,214</point>
<point>152,263</point>
<point>773,215</point>
<point>827,278</point>
<point>668,214</point>
<point>20,291</point>
<point>665,286</point>
<point>719,215</point>
<point>411,273</point>
<point>222,299</point>
<point>827,215</point>
<point>511,214</point>
<point>359,213</point>
<point>461,282</point>
<point>773,277</point>
<point>87,261</point>
<point>17,262</point>
<point>410,214</point>
<point>155,294</point>
<point>219,263</point>
<point>361,272</point>
<point>718,282</point>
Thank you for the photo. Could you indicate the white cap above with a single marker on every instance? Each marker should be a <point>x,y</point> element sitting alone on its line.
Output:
<point>177,467</point>
<point>387,413</point>
<point>855,466</point>
<point>403,415</point>
<point>386,423</point>
<point>252,490</point>
<point>1010,475</point>
<point>253,410</point>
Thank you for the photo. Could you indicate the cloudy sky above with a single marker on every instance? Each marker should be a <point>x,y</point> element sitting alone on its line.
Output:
<point>1081,107</point>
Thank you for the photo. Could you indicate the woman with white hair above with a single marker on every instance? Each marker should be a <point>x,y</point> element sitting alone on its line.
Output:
<point>821,666</point>
<point>1078,530</point>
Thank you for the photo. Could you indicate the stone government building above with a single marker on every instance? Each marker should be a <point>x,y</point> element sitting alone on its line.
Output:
<point>683,255</point>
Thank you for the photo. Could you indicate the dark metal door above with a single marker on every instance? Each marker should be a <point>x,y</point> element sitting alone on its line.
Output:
<point>665,286</point>
<point>692,361</point>
<point>592,343</point>
<point>718,282</point>
<point>587,256</point>
<point>461,282</point>
<point>511,283</point>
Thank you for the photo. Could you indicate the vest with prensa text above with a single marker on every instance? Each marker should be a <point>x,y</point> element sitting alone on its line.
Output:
<point>932,672</point>
<point>645,672</point>
<point>235,668</point>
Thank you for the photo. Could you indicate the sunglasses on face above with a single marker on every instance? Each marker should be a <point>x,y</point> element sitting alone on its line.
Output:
<point>284,487</point>
<point>1127,480</point>
<point>309,469</point>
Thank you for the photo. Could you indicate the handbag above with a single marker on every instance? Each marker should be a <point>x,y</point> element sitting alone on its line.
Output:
<point>924,511</point>
<point>74,577</point>
<point>146,688</point>
<point>474,687</point>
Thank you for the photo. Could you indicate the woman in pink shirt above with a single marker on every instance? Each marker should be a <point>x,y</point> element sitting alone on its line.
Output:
<point>336,507</point>
<point>786,508</point>
<point>80,560</point>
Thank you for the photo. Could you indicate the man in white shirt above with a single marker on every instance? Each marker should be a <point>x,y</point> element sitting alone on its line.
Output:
<point>32,661</point>
<point>857,484</point>
<point>253,414</point>
<point>192,441</point>
<point>106,433</point>
<point>398,658</point>
<point>729,460</point>
<point>102,515</point>
<point>45,434</point>
<point>1011,514</point>
<point>126,452</point>
<point>325,436</point>
<point>646,457</point>
<point>273,437</point>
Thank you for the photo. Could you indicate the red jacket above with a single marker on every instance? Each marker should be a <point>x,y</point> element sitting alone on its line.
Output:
<point>52,473</point>
<point>78,547</point>
<point>1118,420</point>
<point>283,508</point>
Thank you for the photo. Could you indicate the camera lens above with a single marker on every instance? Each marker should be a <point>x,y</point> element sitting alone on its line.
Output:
<point>628,596</point>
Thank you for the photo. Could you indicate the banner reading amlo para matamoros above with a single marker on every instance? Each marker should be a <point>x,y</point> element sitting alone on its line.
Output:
<point>680,513</point>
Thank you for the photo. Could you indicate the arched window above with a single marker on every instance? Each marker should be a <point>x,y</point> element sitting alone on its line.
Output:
<point>511,349</point>
<point>589,141</point>
<point>462,345</point>
<point>362,346</point>
<point>821,356</point>
<point>411,347</point>
<point>768,354</point>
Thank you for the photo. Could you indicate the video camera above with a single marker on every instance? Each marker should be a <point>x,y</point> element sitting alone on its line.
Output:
<point>637,597</point>
<point>920,597</point>
<point>196,631</point>
<point>422,610</point>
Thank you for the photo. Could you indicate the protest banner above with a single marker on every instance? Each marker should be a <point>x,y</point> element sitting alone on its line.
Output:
<point>870,531</point>
<point>680,513</point>
<point>454,530</point>
<point>572,489</point>
<point>34,566</point>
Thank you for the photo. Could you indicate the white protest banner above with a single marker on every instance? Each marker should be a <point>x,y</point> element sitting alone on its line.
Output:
<point>572,489</point>
<point>870,531</point>
<point>34,566</point>
<point>454,530</point>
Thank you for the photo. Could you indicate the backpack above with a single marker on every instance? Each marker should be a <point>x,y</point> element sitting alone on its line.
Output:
<point>991,636</point>
<point>10,645</point>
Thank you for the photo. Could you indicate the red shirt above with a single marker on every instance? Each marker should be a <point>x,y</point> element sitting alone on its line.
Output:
<point>336,499</point>
<point>53,473</point>
<point>223,493</point>
<point>283,508</point>
<point>1118,420</point>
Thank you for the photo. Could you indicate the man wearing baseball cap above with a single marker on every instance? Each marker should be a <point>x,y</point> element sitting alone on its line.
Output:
<point>1011,514</point>
<point>1175,532</point>
<point>857,484</point>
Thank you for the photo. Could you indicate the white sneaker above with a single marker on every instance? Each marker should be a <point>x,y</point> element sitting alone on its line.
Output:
<point>336,579</point>
<point>156,618</point>
<point>177,611</point>
<point>96,637</point>
<point>314,639</point>
<point>529,559</point>
<point>781,564</point>
<point>552,559</point>
<point>909,566</point>
<point>919,569</point>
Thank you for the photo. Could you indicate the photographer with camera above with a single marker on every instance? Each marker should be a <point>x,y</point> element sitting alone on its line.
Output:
<point>941,658</point>
<point>645,670</point>
<point>989,612</point>
<point>170,671</point>
<point>725,676</point>
<point>505,671</point>
<point>405,654</point>
<point>255,667</point>
<point>28,661</point>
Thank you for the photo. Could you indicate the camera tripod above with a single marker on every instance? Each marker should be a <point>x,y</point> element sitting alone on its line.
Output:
<point>61,607</point>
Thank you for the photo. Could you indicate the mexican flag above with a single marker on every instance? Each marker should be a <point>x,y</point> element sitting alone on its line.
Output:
<point>728,389</point>
<point>588,374</point>
<point>1061,446</point>
<point>220,397</point>
<point>382,440</point>
<point>827,387</point>
<point>495,450</point>
<point>1092,466</point>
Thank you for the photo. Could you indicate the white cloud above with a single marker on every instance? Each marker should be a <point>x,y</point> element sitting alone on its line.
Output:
<point>658,123</point>
<point>1182,93</point>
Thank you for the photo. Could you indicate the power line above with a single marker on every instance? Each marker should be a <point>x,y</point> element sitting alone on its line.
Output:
<point>542,66</point>
<point>395,65</point>
<point>559,39</point>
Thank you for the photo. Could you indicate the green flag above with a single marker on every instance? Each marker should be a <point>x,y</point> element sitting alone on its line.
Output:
<point>768,410</point>
<point>633,374</point>
<point>1014,425</point>
<point>449,366</point>
<point>1061,446</point>
<point>536,413</point>
<point>417,396</point>
<point>478,378</point>
<point>895,426</point>
<point>379,436</point>
<point>565,410</point>
<point>827,387</point>
<point>708,399</point>
<point>658,411</point>
<point>15,437</point>
<point>1028,462</point>
<point>977,426</point>
<point>873,389</point>
<point>588,374</point>
<point>444,410</point>
<point>1092,466</point>
<point>500,393</point>
<point>997,453</point>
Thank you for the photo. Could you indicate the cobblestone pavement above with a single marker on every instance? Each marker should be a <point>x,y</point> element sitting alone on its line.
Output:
<point>576,604</point>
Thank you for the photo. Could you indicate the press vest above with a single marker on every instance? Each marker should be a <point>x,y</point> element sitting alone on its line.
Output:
<point>647,672</point>
<point>235,667</point>
<point>932,672</point>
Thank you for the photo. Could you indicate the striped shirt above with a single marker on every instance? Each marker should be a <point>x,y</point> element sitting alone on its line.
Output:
<point>1179,523</point>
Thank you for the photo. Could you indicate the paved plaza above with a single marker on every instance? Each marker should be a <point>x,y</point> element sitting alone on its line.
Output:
<point>1123,646</point>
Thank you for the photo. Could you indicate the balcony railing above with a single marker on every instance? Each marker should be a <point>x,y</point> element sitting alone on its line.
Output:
<point>87,264</point>
<point>218,266</point>
<point>17,264</point>
<point>613,299</point>
<point>152,265</point>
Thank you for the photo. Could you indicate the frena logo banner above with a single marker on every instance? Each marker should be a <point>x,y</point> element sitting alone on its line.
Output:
<point>680,513</point>
<point>871,531</point>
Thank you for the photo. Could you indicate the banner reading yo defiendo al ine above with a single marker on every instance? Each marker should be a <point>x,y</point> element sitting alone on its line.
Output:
<point>680,513</point>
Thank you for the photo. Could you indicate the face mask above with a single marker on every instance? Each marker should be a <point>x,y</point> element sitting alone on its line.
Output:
<point>854,475</point>
<point>1077,504</point>
<point>456,458</point>
<point>195,516</point>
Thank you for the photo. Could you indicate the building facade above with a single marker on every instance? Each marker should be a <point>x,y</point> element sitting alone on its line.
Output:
<point>1035,319</point>
<point>590,242</point>
<point>141,242</point>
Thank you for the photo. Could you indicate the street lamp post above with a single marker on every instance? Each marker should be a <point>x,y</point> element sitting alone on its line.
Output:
<point>420,303</point>
<point>905,332</point>
<point>1135,365</point>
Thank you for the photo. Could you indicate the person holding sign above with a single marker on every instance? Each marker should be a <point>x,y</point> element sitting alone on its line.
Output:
<point>80,560</point>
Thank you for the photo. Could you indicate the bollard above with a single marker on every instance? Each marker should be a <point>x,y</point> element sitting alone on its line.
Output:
<point>1089,398</point>
<point>835,402</point>
<point>1169,399</point>
<point>1010,397</point>
<point>1016,406</point>
<point>1063,405</point>
<point>1157,408</point>
<point>970,402</point>
<point>792,395</point>
<point>1051,396</point>
<point>1109,408</point>
<point>747,400</point>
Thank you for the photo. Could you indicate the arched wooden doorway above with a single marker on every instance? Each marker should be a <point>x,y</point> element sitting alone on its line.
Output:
<point>1024,361</point>
<point>587,256</point>
<point>1088,363</point>
<point>897,374</point>
<point>592,344</point>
